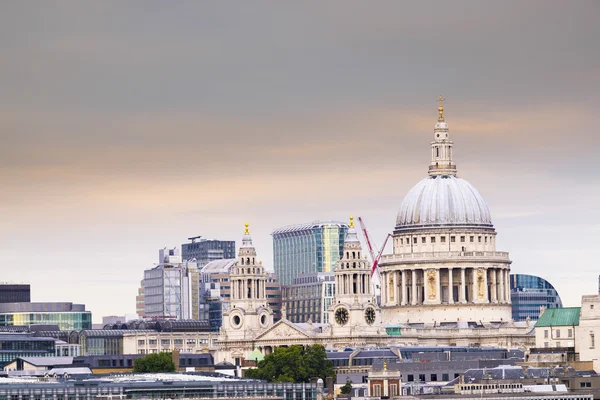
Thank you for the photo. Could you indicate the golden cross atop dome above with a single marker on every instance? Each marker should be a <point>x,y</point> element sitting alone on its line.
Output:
<point>351,221</point>
<point>441,108</point>
<point>247,230</point>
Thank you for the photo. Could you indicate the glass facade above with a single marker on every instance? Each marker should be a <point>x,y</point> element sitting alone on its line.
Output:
<point>309,297</point>
<point>67,321</point>
<point>12,347</point>
<point>308,248</point>
<point>15,293</point>
<point>528,294</point>
<point>205,251</point>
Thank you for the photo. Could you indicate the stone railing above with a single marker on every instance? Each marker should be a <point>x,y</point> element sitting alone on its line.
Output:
<point>445,255</point>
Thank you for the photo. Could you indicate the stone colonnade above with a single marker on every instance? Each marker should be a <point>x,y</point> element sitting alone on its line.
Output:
<point>449,285</point>
<point>248,289</point>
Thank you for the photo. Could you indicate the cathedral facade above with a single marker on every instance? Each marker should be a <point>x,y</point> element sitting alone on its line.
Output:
<point>444,284</point>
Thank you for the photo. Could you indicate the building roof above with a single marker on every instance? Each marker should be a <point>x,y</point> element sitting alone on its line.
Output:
<point>219,266</point>
<point>308,227</point>
<point>568,316</point>
<point>47,361</point>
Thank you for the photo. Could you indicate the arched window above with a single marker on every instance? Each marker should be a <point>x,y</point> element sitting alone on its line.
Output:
<point>248,260</point>
<point>242,261</point>
<point>437,151</point>
<point>353,254</point>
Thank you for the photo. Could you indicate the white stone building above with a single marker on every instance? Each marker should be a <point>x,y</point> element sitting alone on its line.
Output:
<point>444,266</point>
<point>444,284</point>
<point>587,333</point>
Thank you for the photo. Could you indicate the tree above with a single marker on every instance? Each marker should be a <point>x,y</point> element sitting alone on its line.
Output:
<point>347,388</point>
<point>157,362</point>
<point>293,364</point>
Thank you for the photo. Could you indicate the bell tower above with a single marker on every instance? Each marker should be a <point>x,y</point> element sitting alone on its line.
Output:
<point>354,309</point>
<point>248,313</point>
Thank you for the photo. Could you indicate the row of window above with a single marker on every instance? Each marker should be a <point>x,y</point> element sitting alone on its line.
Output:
<point>557,333</point>
<point>142,342</point>
<point>432,239</point>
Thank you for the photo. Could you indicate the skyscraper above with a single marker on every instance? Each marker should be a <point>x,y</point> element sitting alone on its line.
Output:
<point>205,251</point>
<point>171,288</point>
<point>307,248</point>
<point>529,293</point>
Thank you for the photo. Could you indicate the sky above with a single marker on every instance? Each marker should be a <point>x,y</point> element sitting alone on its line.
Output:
<point>127,127</point>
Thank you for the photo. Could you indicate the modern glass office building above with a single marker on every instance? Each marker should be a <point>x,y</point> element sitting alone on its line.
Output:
<point>528,293</point>
<point>309,297</point>
<point>67,316</point>
<point>307,248</point>
<point>205,251</point>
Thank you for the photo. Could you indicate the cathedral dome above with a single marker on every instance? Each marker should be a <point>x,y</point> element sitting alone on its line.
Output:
<point>443,201</point>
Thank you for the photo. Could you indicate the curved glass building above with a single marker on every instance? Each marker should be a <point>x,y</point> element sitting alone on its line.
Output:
<point>528,293</point>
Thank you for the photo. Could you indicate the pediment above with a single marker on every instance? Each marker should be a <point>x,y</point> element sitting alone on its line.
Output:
<point>283,330</point>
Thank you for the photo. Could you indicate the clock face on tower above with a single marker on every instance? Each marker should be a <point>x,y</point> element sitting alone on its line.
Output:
<point>370,316</point>
<point>341,316</point>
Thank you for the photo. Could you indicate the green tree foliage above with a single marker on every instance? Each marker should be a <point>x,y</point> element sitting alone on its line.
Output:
<point>293,364</point>
<point>347,388</point>
<point>157,362</point>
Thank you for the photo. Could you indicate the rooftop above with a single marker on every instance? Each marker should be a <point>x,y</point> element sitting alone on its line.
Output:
<point>568,316</point>
<point>309,226</point>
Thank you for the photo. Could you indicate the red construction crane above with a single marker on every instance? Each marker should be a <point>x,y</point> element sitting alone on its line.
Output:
<point>374,257</point>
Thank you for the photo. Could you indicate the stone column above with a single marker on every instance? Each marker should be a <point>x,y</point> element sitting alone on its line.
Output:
<point>486,295</point>
<point>502,293</point>
<point>450,287</point>
<point>383,288</point>
<point>463,284</point>
<point>403,288</point>
<point>474,288</point>
<point>494,286</point>
<point>414,287</point>
<point>396,294</point>
<point>438,294</point>
<point>507,288</point>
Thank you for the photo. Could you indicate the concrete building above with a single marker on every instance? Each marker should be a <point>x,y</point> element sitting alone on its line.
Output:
<point>203,251</point>
<point>309,297</point>
<point>587,333</point>
<point>171,288</point>
<point>307,248</point>
<point>15,293</point>
<point>556,327</point>
<point>529,295</point>
<point>139,301</point>
<point>67,316</point>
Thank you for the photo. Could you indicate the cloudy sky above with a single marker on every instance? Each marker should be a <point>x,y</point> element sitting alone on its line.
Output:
<point>128,127</point>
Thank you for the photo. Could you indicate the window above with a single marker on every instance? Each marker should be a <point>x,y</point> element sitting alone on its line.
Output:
<point>591,306</point>
<point>433,239</point>
<point>401,241</point>
<point>445,377</point>
<point>415,240</point>
<point>377,390</point>
<point>393,390</point>
<point>545,344</point>
<point>423,239</point>
<point>585,384</point>
<point>486,239</point>
<point>178,341</point>
<point>592,341</point>
<point>569,332</point>
<point>152,341</point>
<point>410,378</point>
<point>462,239</point>
<point>165,341</point>
<point>452,239</point>
<point>443,239</point>
<point>545,333</point>
<point>479,239</point>
<point>422,378</point>
<point>141,342</point>
<point>471,239</point>
<point>433,377</point>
